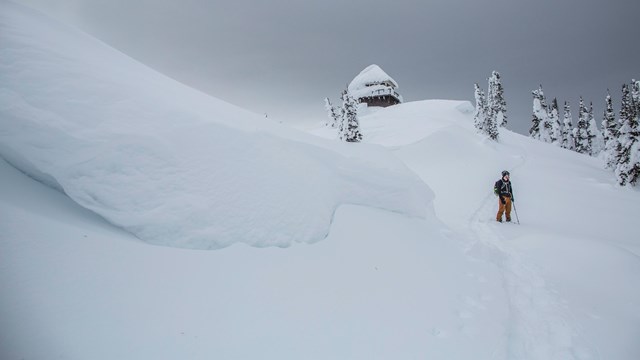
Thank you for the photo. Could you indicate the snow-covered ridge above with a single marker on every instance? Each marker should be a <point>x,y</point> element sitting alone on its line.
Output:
<point>168,163</point>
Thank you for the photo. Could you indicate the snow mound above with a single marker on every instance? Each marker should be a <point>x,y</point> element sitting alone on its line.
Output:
<point>407,123</point>
<point>172,165</point>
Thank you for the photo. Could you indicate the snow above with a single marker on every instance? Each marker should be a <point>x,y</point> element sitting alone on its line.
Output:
<point>568,269</point>
<point>373,81</point>
<point>450,284</point>
<point>173,166</point>
<point>372,74</point>
<point>75,288</point>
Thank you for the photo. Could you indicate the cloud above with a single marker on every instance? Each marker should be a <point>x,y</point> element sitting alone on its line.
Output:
<point>284,56</point>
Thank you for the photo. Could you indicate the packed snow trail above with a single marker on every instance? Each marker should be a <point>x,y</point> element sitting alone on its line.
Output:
<point>538,327</point>
<point>540,321</point>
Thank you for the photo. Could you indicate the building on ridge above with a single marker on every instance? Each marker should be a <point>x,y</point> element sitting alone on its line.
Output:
<point>375,87</point>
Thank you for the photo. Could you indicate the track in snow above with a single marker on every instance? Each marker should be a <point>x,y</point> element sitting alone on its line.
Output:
<point>538,324</point>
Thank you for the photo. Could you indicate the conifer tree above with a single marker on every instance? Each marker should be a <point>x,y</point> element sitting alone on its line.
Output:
<point>626,108</point>
<point>628,168</point>
<point>496,101</point>
<point>503,109</point>
<point>635,95</point>
<point>480,112</point>
<point>484,119</point>
<point>556,126</point>
<point>610,127</point>
<point>490,126</point>
<point>581,131</point>
<point>349,130</point>
<point>567,128</point>
<point>595,137</point>
<point>545,123</point>
<point>332,112</point>
<point>342,125</point>
<point>539,114</point>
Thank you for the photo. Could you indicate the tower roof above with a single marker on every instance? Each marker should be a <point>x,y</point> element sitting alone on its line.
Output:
<point>371,75</point>
<point>374,83</point>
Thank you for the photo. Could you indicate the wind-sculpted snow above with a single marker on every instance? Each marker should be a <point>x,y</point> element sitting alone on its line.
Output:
<point>170,164</point>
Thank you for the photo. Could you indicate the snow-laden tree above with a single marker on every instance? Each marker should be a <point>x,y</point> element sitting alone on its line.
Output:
<point>610,128</point>
<point>503,109</point>
<point>490,126</point>
<point>626,107</point>
<point>635,95</point>
<point>581,131</point>
<point>349,129</point>
<point>632,168</point>
<point>539,115</point>
<point>546,128</point>
<point>481,109</point>
<point>556,126</point>
<point>496,101</point>
<point>567,128</point>
<point>628,168</point>
<point>332,113</point>
<point>484,118</point>
<point>595,136</point>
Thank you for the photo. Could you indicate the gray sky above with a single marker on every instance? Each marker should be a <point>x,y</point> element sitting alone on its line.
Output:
<point>283,57</point>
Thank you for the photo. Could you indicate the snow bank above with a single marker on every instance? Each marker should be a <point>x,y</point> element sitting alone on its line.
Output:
<point>170,164</point>
<point>343,298</point>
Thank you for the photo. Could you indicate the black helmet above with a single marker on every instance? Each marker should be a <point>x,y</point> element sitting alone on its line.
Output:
<point>505,173</point>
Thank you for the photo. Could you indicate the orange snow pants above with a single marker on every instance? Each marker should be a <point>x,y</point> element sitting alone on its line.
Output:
<point>504,208</point>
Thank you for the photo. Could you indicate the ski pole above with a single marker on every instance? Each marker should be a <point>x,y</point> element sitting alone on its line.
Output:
<point>515,210</point>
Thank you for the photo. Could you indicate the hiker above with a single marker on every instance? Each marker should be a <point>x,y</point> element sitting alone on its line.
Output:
<point>503,190</point>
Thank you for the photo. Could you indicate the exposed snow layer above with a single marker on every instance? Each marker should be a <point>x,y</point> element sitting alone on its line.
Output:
<point>381,286</point>
<point>169,164</point>
<point>373,81</point>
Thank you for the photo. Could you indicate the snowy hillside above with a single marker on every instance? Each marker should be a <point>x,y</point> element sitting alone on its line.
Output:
<point>570,268</point>
<point>169,164</point>
<point>407,261</point>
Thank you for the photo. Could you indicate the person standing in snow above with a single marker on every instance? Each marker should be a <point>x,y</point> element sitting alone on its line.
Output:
<point>503,190</point>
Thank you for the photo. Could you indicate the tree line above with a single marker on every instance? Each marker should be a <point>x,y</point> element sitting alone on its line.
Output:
<point>617,141</point>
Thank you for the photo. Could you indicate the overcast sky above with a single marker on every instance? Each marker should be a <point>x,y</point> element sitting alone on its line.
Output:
<point>282,57</point>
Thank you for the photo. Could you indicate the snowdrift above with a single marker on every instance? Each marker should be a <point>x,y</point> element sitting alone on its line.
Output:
<point>172,165</point>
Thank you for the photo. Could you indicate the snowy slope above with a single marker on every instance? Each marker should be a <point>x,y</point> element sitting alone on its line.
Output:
<point>570,269</point>
<point>169,164</point>
<point>570,266</point>
<point>381,285</point>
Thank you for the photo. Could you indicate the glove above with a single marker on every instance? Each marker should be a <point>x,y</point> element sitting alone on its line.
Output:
<point>502,200</point>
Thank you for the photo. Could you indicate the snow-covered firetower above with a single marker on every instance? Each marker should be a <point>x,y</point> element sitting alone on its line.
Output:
<point>375,88</point>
